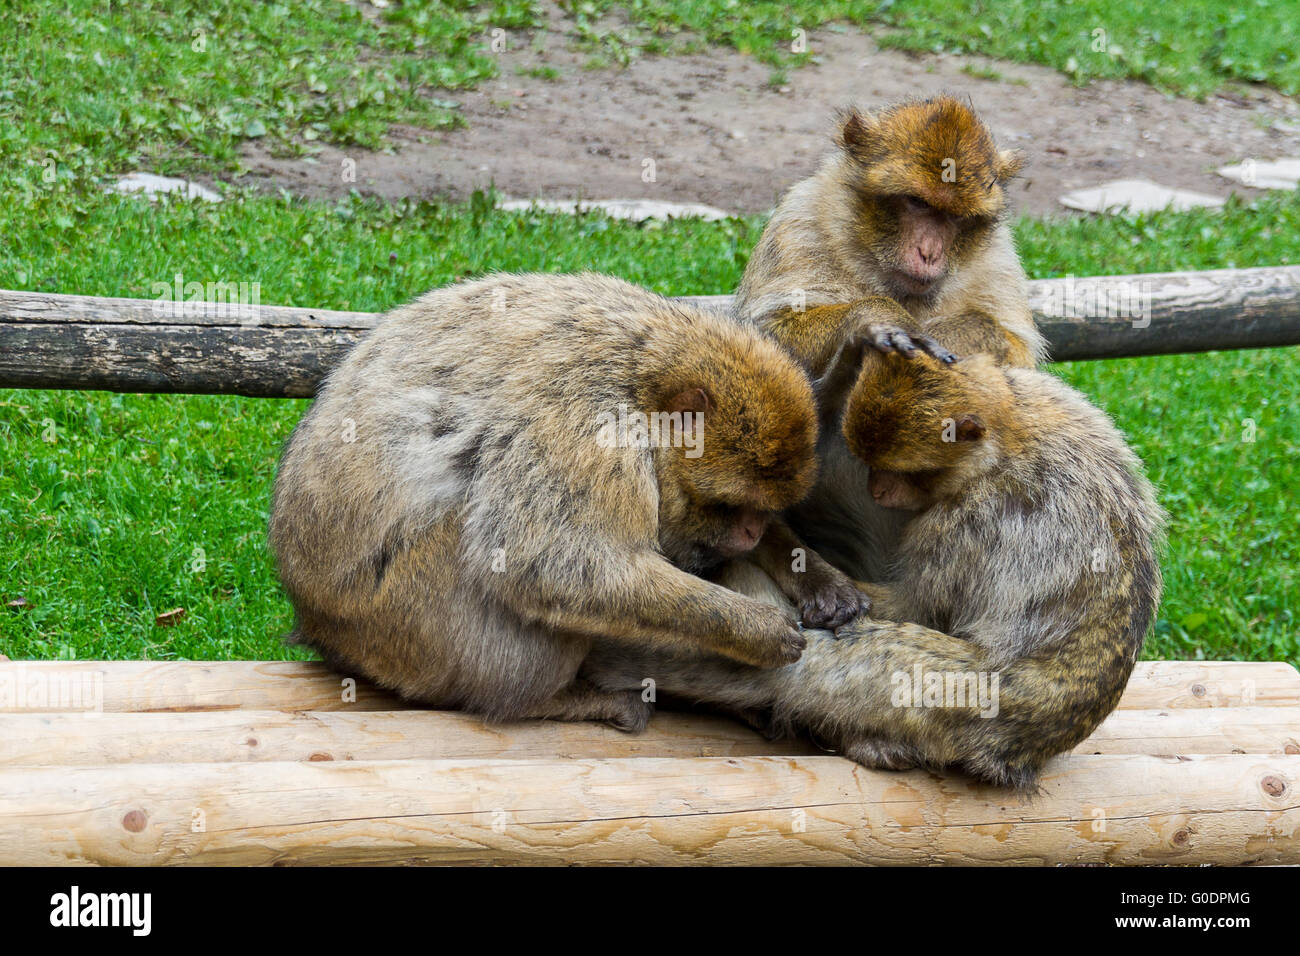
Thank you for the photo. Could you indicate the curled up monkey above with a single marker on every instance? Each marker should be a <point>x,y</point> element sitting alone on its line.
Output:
<point>460,517</point>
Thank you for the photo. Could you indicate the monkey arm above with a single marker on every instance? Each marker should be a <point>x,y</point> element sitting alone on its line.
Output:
<point>829,341</point>
<point>813,336</point>
<point>974,331</point>
<point>641,598</point>
<point>825,596</point>
<point>886,601</point>
<point>819,336</point>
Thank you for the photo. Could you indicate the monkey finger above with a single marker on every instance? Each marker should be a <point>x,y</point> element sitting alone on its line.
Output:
<point>834,607</point>
<point>794,645</point>
<point>902,342</point>
<point>931,347</point>
<point>881,338</point>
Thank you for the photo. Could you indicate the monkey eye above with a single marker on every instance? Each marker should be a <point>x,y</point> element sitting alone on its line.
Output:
<point>917,203</point>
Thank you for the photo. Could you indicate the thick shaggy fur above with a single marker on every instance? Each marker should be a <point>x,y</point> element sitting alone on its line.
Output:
<point>1038,560</point>
<point>447,523</point>
<point>1040,532</point>
<point>829,248</point>
<point>834,236</point>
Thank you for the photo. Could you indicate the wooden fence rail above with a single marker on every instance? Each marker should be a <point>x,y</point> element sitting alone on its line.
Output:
<point>141,345</point>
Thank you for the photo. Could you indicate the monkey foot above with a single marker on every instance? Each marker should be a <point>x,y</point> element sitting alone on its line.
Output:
<point>631,713</point>
<point>878,754</point>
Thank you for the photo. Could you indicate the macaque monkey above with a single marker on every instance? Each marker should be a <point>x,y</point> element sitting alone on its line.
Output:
<point>910,207</point>
<point>898,243</point>
<point>1029,522</point>
<point>507,470</point>
<point>1027,557</point>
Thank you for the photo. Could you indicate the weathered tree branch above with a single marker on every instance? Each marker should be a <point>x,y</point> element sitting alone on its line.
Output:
<point>139,345</point>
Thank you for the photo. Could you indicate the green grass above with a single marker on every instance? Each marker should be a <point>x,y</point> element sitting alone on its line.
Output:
<point>1193,47</point>
<point>93,87</point>
<point>104,498</point>
<point>114,508</point>
<point>98,86</point>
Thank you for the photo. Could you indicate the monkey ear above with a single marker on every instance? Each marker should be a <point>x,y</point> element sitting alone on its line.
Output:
<point>1008,163</point>
<point>690,400</point>
<point>970,428</point>
<point>855,131</point>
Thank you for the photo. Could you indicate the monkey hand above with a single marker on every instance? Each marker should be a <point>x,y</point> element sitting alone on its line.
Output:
<point>885,326</point>
<point>832,603</point>
<point>768,638</point>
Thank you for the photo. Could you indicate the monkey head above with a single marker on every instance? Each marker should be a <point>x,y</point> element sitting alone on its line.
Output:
<point>752,453</point>
<point>925,429</point>
<point>929,184</point>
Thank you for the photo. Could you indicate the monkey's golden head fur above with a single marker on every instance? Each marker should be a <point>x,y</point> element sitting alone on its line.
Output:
<point>937,150</point>
<point>759,424</point>
<point>917,415</point>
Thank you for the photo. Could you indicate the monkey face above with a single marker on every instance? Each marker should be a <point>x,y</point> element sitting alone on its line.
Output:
<point>930,182</point>
<point>697,534</point>
<point>917,424</point>
<point>753,452</point>
<point>915,245</point>
<point>901,490</point>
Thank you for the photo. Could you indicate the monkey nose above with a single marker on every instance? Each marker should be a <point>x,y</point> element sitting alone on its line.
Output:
<point>929,255</point>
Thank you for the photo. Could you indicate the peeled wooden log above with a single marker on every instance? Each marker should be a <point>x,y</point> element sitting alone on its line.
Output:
<point>229,736</point>
<point>134,686</point>
<point>1201,730</point>
<point>233,735</point>
<point>229,346</point>
<point>145,686</point>
<point>1225,810</point>
<point>1183,684</point>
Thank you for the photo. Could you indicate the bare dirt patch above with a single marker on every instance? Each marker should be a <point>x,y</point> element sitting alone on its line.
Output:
<point>717,133</point>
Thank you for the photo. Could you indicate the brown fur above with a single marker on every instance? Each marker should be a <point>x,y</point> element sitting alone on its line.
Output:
<point>834,240</point>
<point>1030,556</point>
<point>447,522</point>
<point>823,282</point>
<point>906,148</point>
<point>819,282</point>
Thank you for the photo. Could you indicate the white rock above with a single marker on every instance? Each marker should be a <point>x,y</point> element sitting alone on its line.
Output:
<point>1257,174</point>
<point>154,186</point>
<point>1135,195</point>
<point>635,209</point>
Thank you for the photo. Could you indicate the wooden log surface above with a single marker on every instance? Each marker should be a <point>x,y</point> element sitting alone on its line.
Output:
<point>1227,810</point>
<point>227,736</point>
<point>142,345</point>
<point>1200,730</point>
<point>66,739</point>
<point>163,686</point>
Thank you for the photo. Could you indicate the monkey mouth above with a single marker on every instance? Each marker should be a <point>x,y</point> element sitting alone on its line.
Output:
<point>907,285</point>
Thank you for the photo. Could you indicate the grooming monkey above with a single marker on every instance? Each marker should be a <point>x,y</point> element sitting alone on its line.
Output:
<point>910,207</point>
<point>1028,554</point>
<point>453,521</point>
<point>897,243</point>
